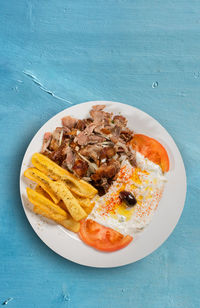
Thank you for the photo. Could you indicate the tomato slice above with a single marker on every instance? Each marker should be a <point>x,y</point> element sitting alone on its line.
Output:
<point>151,149</point>
<point>102,238</point>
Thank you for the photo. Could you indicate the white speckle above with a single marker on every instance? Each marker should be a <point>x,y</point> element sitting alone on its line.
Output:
<point>7,301</point>
<point>182,94</point>
<point>65,294</point>
<point>15,89</point>
<point>155,84</point>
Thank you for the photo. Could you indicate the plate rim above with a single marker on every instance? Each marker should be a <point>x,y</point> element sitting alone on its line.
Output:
<point>94,103</point>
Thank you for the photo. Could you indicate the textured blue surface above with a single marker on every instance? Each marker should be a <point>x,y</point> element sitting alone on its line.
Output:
<point>98,50</point>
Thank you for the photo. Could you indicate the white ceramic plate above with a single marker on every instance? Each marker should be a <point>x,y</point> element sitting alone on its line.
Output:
<point>66,243</point>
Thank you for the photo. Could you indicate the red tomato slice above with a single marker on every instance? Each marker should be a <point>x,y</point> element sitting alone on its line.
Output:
<point>102,238</point>
<point>151,149</point>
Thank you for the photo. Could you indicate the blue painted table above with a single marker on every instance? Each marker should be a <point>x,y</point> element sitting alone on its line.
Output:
<point>143,53</point>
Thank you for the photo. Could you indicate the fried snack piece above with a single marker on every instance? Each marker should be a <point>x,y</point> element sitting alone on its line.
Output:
<point>70,224</point>
<point>41,179</point>
<point>89,209</point>
<point>48,209</point>
<point>51,169</point>
<point>71,203</point>
<point>41,191</point>
<point>39,200</point>
<point>62,206</point>
<point>84,202</point>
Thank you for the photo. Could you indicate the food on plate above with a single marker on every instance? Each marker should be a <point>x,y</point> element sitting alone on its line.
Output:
<point>107,180</point>
<point>43,180</point>
<point>48,209</point>
<point>93,148</point>
<point>51,169</point>
<point>102,238</point>
<point>131,201</point>
<point>71,203</point>
<point>41,191</point>
<point>84,202</point>
<point>39,200</point>
<point>54,200</point>
<point>151,149</point>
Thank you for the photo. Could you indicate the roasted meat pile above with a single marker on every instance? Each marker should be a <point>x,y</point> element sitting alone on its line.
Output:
<point>92,149</point>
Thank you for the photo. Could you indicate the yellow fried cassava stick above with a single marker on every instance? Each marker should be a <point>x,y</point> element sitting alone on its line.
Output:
<point>89,209</point>
<point>51,169</point>
<point>84,202</point>
<point>43,180</point>
<point>71,203</point>
<point>38,199</point>
<point>68,223</point>
<point>41,191</point>
<point>48,209</point>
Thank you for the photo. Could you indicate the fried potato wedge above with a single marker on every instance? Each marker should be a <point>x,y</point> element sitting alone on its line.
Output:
<point>51,211</point>
<point>71,203</point>
<point>41,191</point>
<point>40,201</point>
<point>62,206</point>
<point>70,224</point>
<point>41,179</point>
<point>51,169</point>
<point>46,212</point>
<point>89,209</point>
<point>84,202</point>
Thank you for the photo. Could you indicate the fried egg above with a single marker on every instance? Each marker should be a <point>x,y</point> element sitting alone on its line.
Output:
<point>145,182</point>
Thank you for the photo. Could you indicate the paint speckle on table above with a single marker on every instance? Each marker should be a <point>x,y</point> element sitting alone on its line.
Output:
<point>43,88</point>
<point>7,301</point>
<point>155,84</point>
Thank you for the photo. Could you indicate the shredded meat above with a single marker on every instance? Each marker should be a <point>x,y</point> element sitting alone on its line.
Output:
<point>107,152</point>
<point>92,152</point>
<point>126,134</point>
<point>60,153</point>
<point>46,142</point>
<point>69,122</point>
<point>55,140</point>
<point>99,116</point>
<point>85,138</point>
<point>106,170</point>
<point>80,168</point>
<point>80,125</point>
<point>68,162</point>
<point>92,148</point>
<point>120,120</point>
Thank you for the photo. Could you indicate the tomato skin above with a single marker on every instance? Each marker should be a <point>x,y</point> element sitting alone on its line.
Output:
<point>152,149</point>
<point>102,238</point>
